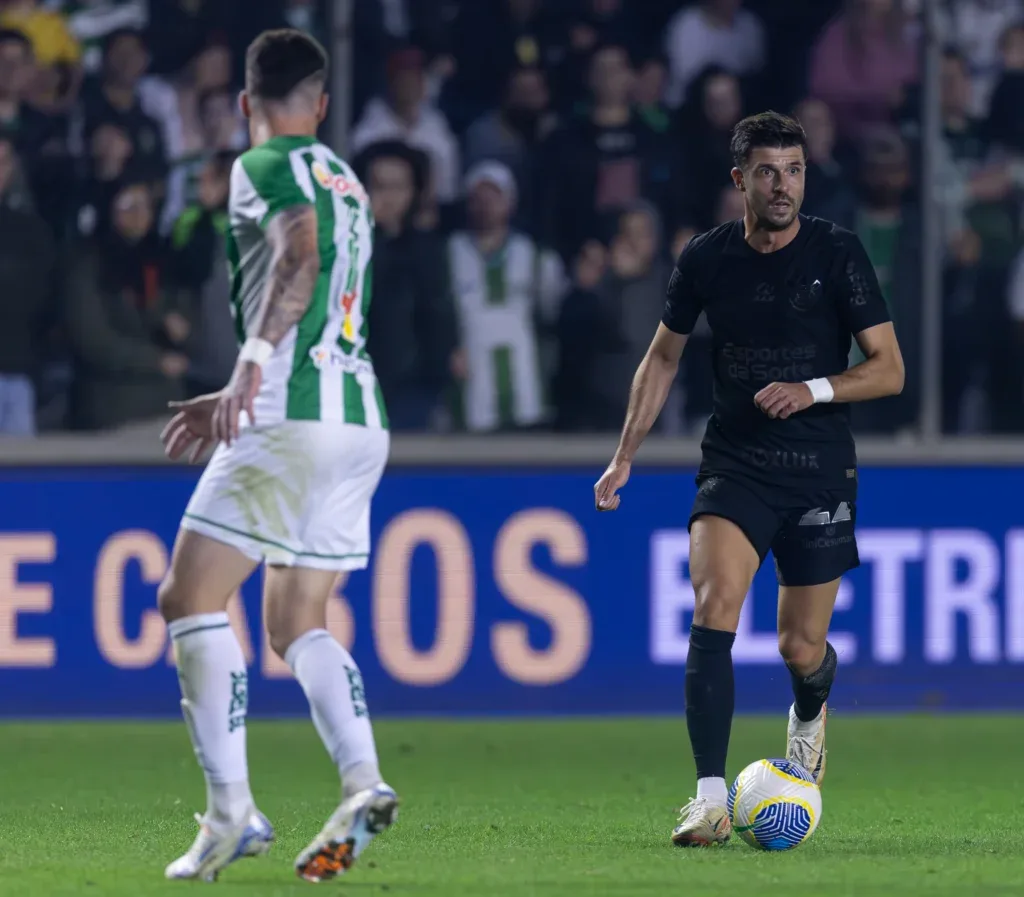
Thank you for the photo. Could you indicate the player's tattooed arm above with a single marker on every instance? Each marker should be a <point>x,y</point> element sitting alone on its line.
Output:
<point>294,268</point>
<point>291,280</point>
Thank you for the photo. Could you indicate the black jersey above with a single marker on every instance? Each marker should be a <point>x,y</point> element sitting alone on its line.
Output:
<point>783,316</point>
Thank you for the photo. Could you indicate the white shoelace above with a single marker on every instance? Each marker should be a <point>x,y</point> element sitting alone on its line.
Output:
<point>804,748</point>
<point>203,839</point>
<point>694,807</point>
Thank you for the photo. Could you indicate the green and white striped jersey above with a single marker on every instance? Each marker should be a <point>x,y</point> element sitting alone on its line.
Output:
<point>321,369</point>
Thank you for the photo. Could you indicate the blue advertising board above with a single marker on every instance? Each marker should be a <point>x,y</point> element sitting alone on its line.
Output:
<point>504,592</point>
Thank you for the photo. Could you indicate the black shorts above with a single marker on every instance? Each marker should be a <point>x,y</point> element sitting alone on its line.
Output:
<point>810,532</point>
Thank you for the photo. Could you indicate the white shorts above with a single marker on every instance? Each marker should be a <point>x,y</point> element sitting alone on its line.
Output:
<point>295,494</point>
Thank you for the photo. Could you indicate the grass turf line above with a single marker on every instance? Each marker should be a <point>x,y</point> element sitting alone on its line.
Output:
<point>913,805</point>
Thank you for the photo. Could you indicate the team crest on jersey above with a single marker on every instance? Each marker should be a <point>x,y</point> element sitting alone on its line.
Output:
<point>804,296</point>
<point>340,184</point>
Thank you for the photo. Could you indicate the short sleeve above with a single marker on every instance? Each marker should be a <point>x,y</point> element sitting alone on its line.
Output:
<point>264,182</point>
<point>861,304</point>
<point>682,298</point>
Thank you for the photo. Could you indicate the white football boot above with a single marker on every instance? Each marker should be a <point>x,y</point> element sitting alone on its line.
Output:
<point>218,845</point>
<point>348,833</point>
<point>805,743</point>
<point>702,824</point>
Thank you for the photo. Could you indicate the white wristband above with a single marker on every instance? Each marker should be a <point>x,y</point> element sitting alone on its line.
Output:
<point>256,350</point>
<point>821,390</point>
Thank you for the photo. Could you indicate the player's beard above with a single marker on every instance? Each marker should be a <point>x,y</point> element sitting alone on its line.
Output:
<point>770,219</point>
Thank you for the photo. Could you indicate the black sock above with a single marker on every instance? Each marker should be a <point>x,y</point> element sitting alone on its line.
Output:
<point>811,692</point>
<point>710,698</point>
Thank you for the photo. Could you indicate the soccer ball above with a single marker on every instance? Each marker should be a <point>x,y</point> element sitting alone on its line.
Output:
<point>774,805</point>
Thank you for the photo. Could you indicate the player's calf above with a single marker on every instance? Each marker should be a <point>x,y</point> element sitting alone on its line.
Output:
<point>805,734</point>
<point>722,565</point>
<point>329,676</point>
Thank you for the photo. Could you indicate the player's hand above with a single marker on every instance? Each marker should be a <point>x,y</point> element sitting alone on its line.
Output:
<point>606,490</point>
<point>780,400</point>
<point>191,428</point>
<point>237,397</point>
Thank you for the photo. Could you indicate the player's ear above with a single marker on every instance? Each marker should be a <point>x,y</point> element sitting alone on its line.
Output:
<point>244,104</point>
<point>737,179</point>
<point>325,101</point>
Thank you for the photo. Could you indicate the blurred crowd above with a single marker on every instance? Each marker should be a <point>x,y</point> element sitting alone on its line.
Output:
<point>534,167</point>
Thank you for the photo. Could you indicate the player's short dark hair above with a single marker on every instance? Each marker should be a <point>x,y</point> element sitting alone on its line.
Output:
<point>766,130</point>
<point>279,61</point>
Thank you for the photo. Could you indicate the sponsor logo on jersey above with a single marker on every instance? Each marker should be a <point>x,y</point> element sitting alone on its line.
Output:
<point>821,517</point>
<point>340,184</point>
<point>334,357</point>
<point>805,295</point>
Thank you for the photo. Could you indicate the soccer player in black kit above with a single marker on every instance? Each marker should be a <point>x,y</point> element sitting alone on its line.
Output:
<point>783,295</point>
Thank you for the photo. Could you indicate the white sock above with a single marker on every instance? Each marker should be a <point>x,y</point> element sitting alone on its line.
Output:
<point>802,728</point>
<point>334,687</point>
<point>215,699</point>
<point>714,790</point>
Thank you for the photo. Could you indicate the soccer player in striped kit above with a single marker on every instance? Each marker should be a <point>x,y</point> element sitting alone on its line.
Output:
<point>302,440</point>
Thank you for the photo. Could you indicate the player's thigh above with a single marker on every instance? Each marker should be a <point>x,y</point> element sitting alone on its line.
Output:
<point>805,613</point>
<point>203,575</point>
<point>814,549</point>
<point>731,528</point>
<point>295,602</point>
<point>336,529</point>
<point>334,538</point>
<point>254,493</point>
<point>817,542</point>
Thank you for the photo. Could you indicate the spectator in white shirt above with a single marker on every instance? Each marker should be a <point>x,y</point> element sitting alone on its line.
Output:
<point>407,115</point>
<point>714,32</point>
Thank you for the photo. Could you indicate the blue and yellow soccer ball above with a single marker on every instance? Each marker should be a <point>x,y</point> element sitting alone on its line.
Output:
<point>774,805</point>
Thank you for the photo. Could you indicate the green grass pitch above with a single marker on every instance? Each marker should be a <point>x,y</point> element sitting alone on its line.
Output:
<point>914,805</point>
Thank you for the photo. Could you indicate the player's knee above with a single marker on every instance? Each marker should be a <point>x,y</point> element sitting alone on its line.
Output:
<point>279,625</point>
<point>171,600</point>
<point>801,652</point>
<point>280,641</point>
<point>281,633</point>
<point>718,602</point>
